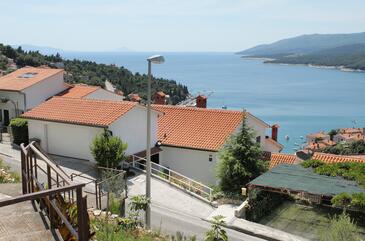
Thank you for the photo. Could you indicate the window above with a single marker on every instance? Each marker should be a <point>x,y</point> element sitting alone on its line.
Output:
<point>1,115</point>
<point>27,75</point>
<point>258,139</point>
<point>210,158</point>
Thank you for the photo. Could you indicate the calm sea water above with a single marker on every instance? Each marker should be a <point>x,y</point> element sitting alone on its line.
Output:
<point>299,98</point>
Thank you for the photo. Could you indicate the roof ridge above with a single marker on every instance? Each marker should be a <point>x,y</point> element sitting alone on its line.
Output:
<point>198,109</point>
<point>95,100</point>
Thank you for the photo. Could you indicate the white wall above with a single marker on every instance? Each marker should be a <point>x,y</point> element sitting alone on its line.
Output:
<point>102,94</point>
<point>191,163</point>
<point>18,99</point>
<point>132,128</point>
<point>43,90</point>
<point>64,139</point>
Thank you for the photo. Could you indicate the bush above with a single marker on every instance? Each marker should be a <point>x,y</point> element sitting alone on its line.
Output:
<point>342,228</point>
<point>19,129</point>
<point>347,200</point>
<point>108,151</point>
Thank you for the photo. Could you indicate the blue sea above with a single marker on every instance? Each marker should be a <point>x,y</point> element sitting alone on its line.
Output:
<point>299,98</point>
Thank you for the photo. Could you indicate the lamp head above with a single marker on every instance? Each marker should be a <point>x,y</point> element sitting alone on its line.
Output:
<point>4,100</point>
<point>156,59</point>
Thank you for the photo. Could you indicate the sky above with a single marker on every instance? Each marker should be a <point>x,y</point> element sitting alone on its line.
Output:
<point>172,25</point>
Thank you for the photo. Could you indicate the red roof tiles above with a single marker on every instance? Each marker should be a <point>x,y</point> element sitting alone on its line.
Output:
<point>197,128</point>
<point>99,113</point>
<point>26,77</point>
<point>280,158</point>
<point>79,91</point>
<point>331,158</point>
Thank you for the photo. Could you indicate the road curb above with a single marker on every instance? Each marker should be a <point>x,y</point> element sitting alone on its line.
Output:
<point>260,234</point>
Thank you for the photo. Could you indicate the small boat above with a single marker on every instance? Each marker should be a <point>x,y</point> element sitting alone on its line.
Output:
<point>286,137</point>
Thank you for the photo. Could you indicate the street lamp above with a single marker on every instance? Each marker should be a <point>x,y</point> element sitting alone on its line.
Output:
<point>155,59</point>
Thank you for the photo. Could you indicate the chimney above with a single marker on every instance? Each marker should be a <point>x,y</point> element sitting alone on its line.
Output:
<point>201,101</point>
<point>160,98</point>
<point>134,98</point>
<point>274,132</point>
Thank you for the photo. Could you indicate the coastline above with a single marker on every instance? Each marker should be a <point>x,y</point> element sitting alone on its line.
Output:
<point>340,68</point>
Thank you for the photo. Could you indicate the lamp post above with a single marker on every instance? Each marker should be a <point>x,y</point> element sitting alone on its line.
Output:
<point>155,59</point>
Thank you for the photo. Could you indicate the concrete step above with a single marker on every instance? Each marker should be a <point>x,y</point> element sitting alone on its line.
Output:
<point>21,221</point>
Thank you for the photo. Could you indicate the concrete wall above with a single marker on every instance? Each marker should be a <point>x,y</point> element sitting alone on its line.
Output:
<point>132,128</point>
<point>64,139</point>
<point>191,163</point>
<point>38,93</point>
<point>102,94</point>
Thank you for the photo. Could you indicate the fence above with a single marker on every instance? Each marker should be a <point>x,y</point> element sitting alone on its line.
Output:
<point>176,179</point>
<point>100,182</point>
<point>43,181</point>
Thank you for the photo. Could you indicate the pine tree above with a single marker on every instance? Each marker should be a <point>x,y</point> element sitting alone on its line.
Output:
<point>240,161</point>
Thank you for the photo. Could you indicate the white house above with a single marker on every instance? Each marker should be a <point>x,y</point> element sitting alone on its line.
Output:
<point>190,138</point>
<point>26,88</point>
<point>67,126</point>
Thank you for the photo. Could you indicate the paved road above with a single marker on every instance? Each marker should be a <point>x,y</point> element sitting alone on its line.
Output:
<point>170,220</point>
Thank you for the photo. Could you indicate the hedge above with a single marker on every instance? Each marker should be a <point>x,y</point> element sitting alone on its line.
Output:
<point>19,129</point>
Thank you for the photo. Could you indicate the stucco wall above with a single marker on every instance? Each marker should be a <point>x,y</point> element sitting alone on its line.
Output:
<point>102,94</point>
<point>132,128</point>
<point>191,163</point>
<point>18,100</point>
<point>43,90</point>
<point>64,139</point>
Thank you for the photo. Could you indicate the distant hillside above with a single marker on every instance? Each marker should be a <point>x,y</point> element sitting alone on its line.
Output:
<point>344,57</point>
<point>346,51</point>
<point>305,44</point>
<point>89,72</point>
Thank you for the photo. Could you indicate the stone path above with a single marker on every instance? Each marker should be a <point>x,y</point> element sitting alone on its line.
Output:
<point>22,221</point>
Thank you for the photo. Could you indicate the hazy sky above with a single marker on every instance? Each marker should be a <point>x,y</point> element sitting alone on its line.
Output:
<point>172,25</point>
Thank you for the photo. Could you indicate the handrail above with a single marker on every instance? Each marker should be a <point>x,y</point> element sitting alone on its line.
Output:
<point>204,192</point>
<point>40,194</point>
<point>29,170</point>
<point>51,164</point>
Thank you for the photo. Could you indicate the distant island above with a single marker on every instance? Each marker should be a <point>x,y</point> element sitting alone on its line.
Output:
<point>342,51</point>
<point>89,72</point>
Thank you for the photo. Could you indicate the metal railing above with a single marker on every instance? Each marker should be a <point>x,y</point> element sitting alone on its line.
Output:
<point>98,183</point>
<point>176,179</point>
<point>37,167</point>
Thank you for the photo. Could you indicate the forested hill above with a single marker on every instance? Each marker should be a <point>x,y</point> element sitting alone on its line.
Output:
<point>91,73</point>
<point>340,50</point>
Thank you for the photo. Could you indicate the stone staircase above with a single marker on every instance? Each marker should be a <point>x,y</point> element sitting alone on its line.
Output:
<point>23,221</point>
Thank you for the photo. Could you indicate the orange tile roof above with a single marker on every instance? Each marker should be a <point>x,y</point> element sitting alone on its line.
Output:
<point>320,134</point>
<point>99,113</point>
<point>15,82</point>
<point>79,91</point>
<point>280,158</point>
<point>197,128</point>
<point>331,158</point>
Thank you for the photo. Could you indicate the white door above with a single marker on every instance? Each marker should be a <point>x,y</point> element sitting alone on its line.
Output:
<point>71,140</point>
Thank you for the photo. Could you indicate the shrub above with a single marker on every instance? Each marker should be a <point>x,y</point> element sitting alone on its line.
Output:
<point>19,129</point>
<point>217,233</point>
<point>346,200</point>
<point>342,228</point>
<point>108,151</point>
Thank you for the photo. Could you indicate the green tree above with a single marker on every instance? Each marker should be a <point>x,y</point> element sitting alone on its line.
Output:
<point>108,151</point>
<point>342,228</point>
<point>240,161</point>
<point>332,133</point>
<point>217,233</point>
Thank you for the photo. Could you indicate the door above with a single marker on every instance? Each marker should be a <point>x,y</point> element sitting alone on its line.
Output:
<point>6,117</point>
